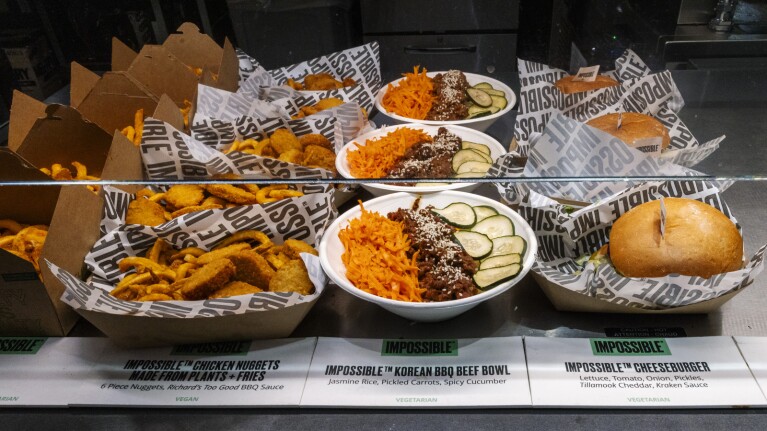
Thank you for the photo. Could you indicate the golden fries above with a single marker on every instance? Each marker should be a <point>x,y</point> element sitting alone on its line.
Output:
<point>60,173</point>
<point>312,150</point>
<point>234,267</point>
<point>24,241</point>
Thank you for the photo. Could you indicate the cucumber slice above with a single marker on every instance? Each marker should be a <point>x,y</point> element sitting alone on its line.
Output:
<point>489,278</point>
<point>478,111</point>
<point>457,214</point>
<point>498,102</point>
<point>482,148</point>
<point>484,156</point>
<point>479,97</point>
<point>493,92</point>
<point>473,166</point>
<point>476,244</point>
<point>482,85</point>
<point>498,261</point>
<point>508,245</point>
<point>463,156</point>
<point>495,226</point>
<point>470,175</point>
<point>484,211</point>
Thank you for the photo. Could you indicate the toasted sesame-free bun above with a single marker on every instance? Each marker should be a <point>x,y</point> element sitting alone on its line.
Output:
<point>699,240</point>
<point>568,86</point>
<point>633,127</point>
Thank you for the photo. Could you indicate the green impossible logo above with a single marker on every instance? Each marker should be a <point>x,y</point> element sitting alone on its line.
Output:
<point>21,345</point>
<point>629,347</point>
<point>227,348</point>
<point>419,348</point>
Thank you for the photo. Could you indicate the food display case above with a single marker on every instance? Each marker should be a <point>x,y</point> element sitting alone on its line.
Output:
<point>551,334</point>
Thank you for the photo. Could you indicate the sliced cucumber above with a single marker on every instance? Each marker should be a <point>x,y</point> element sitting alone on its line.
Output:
<point>457,214</point>
<point>488,278</point>
<point>483,85</point>
<point>508,245</point>
<point>493,92</point>
<point>470,175</point>
<point>482,148</point>
<point>479,97</point>
<point>476,244</point>
<point>485,157</point>
<point>473,166</point>
<point>463,156</point>
<point>484,211</point>
<point>498,102</point>
<point>495,226</point>
<point>478,111</point>
<point>498,261</point>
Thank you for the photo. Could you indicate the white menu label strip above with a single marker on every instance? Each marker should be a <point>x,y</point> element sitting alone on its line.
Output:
<point>640,372</point>
<point>487,372</point>
<point>250,373</point>
<point>40,371</point>
<point>754,351</point>
<point>587,74</point>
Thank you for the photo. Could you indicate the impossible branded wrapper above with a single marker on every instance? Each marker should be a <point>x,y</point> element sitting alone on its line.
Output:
<point>565,237</point>
<point>260,315</point>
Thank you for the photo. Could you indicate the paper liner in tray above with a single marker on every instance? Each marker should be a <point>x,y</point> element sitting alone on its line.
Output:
<point>266,314</point>
<point>563,237</point>
<point>653,94</point>
<point>361,63</point>
<point>569,148</point>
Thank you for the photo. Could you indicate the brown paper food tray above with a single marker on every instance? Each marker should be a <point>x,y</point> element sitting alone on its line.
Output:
<point>29,306</point>
<point>566,300</point>
<point>140,331</point>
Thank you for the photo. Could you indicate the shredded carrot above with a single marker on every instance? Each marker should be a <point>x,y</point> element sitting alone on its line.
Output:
<point>375,256</point>
<point>378,156</point>
<point>412,98</point>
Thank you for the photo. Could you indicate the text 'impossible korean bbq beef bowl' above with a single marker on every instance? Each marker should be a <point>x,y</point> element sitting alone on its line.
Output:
<point>428,257</point>
<point>419,151</point>
<point>448,97</point>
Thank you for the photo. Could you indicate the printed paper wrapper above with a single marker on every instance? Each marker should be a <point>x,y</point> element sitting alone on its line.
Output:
<point>568,148</point>
<point>653,94</point>
<point>219,112</point>
<point>248,66</point>
<point>304,218</point>
<point>564,237</point>
<point>169,154</point>
<point>361,63</point>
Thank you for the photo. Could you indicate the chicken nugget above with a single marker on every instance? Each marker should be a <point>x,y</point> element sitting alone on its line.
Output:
<point>330,102</point>
<point>292,156</point>
<point>349,82</point>
<point>143,211</point>
<point>292,83</point>
<point>321,82</point>
<point>214,200</point>
<point>206,280</point>
<point>292,277</point>
<point>252,268</point>
<point>235,288</point>
<point>319,157</point>
<point>282,140</point>
<point>231,193</point>
<point>193,208</point>
<point>184,195</point>
<point>298,246</point>
<point>315,139</point>
<point>221,253</point>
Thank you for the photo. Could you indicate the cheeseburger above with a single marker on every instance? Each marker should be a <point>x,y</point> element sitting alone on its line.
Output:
<point>633,127</point>
<point>568,85</point>
<point>698,241</point>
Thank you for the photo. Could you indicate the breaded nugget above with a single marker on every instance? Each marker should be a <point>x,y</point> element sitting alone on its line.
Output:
<point>349,82</point>
<point>184,195</point>
<point>282,140</point>
<point>231,193</point>
<point>143,211</point>
<point>292,277</point>
<point>221,253</point>
<point>206,280</point>
<point>292,156</point>
<point>321,81</point>
<point>251,268</point>
<point>298,246</point>
<point>315,139</point>
<point>328,103</point>
<point>193,208</point>
<point>234,288</point>
<point>320,157</point>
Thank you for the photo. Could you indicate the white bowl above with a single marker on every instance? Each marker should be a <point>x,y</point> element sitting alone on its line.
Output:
<point>481,123</point>
<point>331,249</point>
<point>379,189</point>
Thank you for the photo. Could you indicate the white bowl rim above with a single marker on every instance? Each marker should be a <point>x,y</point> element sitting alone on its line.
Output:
<point>527,262</point>
<point>511,101</point>
<point>425,127</point>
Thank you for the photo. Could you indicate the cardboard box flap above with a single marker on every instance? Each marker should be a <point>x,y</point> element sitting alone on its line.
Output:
<point>82,82</point>
<point>25,110</point>
<point>114,100</point>
<point>167,111</point>
<point>162,73</point>
<point>63,136</point>
<point>24,203</point>
<point>123,161</point>
<point>194,48</point>
<point>229,71</point>
<point>122,55</point>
